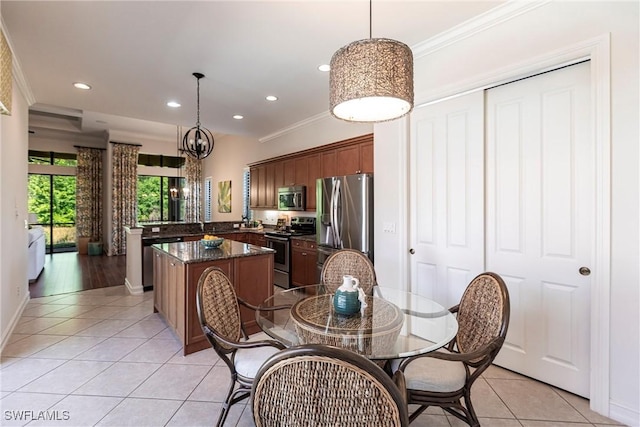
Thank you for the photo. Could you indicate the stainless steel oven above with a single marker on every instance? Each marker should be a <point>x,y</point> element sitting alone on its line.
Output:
<point>281,259</point>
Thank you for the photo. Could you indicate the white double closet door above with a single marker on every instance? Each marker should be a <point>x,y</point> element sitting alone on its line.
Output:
<point>502,180</point>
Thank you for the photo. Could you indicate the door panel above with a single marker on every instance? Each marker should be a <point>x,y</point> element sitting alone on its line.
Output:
<point>447,214</point>
<point>540,206</point>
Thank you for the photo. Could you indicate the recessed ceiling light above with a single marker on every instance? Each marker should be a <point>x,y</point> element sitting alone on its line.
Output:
<point>272,98</point>
<point>324,67</point>
<point>173,104</point>
<point>80,85</point>
<point>238,117</point>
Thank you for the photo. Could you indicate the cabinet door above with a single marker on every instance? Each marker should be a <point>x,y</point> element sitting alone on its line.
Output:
<point>157,280</point>
<point>298,267</point>
<point>175,279</point>
<point>366,157</point>
<point>310,262</point>
<point>269,185</point>
<point>301,170</point>
<point>313,173</point>
<point>253,281</point>
<point>348,160</point>
<point>328,160</point>
<point>278,178</point>
<point>259,240</point>
<point>254,177</point>
<point>262,186</point>
<point>289,167</point>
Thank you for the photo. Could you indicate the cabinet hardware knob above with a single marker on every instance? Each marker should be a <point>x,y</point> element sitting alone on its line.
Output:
<point>412,251</point>
<point>304,253</point>
<point>584,271</point>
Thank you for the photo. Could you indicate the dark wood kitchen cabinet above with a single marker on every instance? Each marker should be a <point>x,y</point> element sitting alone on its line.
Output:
<point>289,167</point>
<point>303,262</point>
<point>313,173</point>
<point>254,191</point>
<point>354,159</point>
<point>328,162</point>
<point>346,157</point>
<point>269,186</point>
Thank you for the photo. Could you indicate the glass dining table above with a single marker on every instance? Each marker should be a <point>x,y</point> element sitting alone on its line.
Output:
<point>394,324</point>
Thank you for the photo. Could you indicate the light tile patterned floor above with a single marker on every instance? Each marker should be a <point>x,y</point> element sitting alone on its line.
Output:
<point>102,357</point>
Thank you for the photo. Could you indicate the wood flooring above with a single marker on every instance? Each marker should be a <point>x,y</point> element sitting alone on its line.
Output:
<point>70,272</point>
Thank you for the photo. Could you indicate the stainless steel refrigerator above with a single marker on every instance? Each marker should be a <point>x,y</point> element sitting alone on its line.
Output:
<point>344,209</point>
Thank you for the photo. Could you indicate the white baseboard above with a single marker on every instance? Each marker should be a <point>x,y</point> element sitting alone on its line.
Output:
<point>14,320</point>
<point>133,290</point>
<point>622,414</point>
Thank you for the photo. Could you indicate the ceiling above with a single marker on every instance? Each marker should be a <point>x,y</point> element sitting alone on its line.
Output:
<point>137,55</point>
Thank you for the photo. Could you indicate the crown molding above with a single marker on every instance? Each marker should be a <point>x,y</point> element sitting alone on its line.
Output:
<point>295,126</point>
<point>482,22</point>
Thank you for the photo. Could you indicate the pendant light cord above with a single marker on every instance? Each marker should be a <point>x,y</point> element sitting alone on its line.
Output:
<point>370,18</point>
<point>198,98</point>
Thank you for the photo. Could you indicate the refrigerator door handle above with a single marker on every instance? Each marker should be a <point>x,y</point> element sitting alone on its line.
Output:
<point>330,238</point>
<point>337,225</point>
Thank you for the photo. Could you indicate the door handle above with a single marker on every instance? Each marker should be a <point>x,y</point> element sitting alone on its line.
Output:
<point>584,271</point>
<point>412,251</point>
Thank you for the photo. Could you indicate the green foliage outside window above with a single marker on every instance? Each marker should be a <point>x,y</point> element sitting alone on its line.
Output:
<point>149,197</point>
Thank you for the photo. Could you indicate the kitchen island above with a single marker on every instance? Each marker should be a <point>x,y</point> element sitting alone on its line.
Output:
<point>177,269</point>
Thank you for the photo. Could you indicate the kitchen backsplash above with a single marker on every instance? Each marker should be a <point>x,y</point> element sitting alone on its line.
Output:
<point>269,217</point>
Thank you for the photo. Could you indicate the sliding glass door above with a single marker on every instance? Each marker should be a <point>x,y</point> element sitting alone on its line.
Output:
<point>53,199</point>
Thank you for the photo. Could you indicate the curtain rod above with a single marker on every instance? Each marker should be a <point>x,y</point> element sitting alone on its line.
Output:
<point>125,143</point>
<point>94,148</point>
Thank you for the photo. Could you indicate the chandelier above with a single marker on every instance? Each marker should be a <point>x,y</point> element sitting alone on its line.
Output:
<point>371,80</point>
<point>198,141</point>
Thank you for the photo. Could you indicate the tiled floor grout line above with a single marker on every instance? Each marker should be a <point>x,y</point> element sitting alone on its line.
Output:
<point>501,400</point>
<point>131,313</point>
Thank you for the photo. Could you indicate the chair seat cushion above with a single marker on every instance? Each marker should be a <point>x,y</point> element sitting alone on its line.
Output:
<point>431,374</point>
<point>248,361</point>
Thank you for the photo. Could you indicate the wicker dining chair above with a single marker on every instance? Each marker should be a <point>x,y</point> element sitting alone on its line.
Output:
<point>444,378</point>
<point>348,261</point>
<point>320,386</point>
<point>219,314</point>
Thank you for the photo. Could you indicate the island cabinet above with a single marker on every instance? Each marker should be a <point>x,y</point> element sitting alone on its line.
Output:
<point>178,268</point>
<point>303,262</point>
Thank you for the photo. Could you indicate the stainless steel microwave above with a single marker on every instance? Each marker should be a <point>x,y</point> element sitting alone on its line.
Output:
<point>292,198</point>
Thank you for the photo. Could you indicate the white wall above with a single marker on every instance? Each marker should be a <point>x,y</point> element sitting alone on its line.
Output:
<point>541,31</point>
<point>14,287</point>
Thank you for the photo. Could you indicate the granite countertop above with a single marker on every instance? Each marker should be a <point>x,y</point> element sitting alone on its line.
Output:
<point>193,252</point>
<point>217,233</point>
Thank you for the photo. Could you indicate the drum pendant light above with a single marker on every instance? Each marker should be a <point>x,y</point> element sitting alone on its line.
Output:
<point>371,80</point>
<point>198,141</point>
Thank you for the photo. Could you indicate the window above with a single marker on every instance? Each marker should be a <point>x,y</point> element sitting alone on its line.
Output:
<point>207,199</point>
<point>154,199</point>
<point>52,158</point>
<point>155,202</point>
<point>246,191</point>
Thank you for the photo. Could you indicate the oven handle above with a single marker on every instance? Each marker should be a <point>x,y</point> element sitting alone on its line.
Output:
<point>280,239</point>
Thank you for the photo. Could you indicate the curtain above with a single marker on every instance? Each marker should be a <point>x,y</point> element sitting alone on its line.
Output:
<point>124,194</point>
<point>89,194</point>
<point>193,184</point>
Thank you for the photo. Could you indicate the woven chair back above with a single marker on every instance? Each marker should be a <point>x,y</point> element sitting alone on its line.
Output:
<point>348,261</point>
<point>483,313</point>
<point>323,386</point>
<point>219,309</point>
